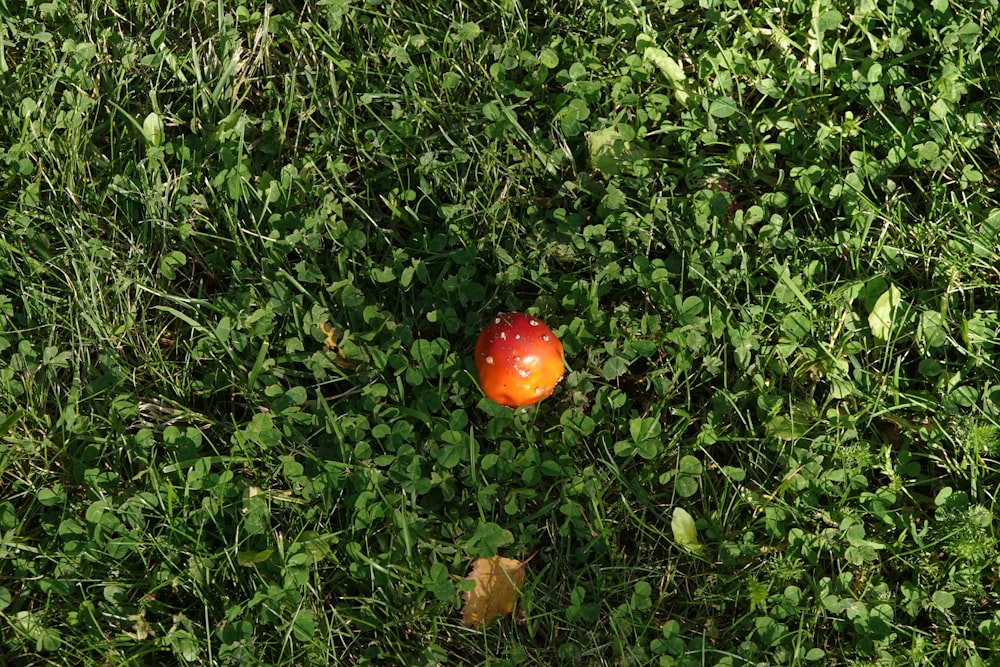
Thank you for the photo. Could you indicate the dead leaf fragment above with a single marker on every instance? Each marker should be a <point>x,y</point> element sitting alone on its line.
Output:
<point>331,345</point>
<point>497,582</point>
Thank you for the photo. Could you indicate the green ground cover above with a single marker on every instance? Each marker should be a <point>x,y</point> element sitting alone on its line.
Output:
<point>766,233</point>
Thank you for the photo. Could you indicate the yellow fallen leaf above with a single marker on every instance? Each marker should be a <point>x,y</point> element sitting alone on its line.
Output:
<point>497,582</point>
<point>331,345</point>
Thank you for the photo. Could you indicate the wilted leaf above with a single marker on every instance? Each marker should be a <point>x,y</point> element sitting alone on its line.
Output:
<point>610,153</point>
<point>885,313</point>
<point>685,533</point>
<point>497,582</point>
<point>671,69</point>
<point>152,130</point>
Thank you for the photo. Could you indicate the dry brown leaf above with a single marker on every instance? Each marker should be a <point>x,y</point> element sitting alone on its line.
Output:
<point>497,582</point>
<point>331,344</point>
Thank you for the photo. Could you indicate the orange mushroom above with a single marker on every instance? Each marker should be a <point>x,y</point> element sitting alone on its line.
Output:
<point>519,360</point>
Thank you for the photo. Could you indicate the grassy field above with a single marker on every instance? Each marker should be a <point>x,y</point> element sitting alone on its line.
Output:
<point>766,234</point>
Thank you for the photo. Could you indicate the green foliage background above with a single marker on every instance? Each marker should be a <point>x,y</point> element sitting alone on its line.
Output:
<point>766,235</point>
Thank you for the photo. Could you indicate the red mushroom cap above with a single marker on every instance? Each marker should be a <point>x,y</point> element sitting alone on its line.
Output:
<point>519,360</point>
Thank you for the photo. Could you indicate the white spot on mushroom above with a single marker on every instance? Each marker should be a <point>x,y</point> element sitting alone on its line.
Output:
<point>523,373</point>
<point>496,321</point>
<point>489,359</point>
<point>545,337</point>
<point>533,323</point>
<point>503,335</point>
<point>517,336</point>
<point>538,390</point>
<point>516,359</point>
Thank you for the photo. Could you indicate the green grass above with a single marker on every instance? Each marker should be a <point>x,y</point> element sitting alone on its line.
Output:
<point>767,236</point>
